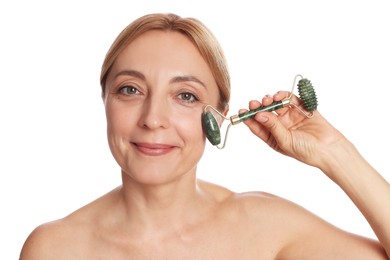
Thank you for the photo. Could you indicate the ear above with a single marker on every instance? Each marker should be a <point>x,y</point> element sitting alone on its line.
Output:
<point>104,96</point>
<point>225,112</point>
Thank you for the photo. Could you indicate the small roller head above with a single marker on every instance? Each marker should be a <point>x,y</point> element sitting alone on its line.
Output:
<point>307,95</point>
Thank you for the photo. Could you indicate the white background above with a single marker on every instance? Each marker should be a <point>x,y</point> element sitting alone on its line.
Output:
<point>54,156</point>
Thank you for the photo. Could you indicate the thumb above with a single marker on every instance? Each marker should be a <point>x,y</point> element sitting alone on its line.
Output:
<point>272,123</point>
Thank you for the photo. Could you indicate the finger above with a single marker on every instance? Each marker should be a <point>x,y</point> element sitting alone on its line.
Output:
<point>267,100</point>
<point>253,104</point>
<point>272,124</point>
<point>253,125</point>
<point>284,95</point>
<point>257,129</point>
<point>281,95</point>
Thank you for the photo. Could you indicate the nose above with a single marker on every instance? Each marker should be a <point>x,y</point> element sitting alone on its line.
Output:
<point>154,114</point>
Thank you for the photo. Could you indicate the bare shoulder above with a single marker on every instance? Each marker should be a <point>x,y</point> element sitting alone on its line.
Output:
<point>268,213</point>
<point>249,204</point>
<point>58,239</point>
<point>45,241</point>
<point>259,204</point>
<point>298,233</point>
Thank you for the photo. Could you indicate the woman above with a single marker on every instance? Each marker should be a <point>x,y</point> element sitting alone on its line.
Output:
<point>156,79</point>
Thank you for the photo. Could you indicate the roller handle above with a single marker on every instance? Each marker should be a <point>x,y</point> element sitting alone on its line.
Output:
<point>306,93</point>
<point>236,119</point>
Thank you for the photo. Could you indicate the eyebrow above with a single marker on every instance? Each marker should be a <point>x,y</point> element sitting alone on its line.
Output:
<point>176,79</point>
<point>179,79</point>
<point>133,73</point>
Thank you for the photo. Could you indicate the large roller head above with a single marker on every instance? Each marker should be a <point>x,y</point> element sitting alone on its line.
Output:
<point>211,128</point>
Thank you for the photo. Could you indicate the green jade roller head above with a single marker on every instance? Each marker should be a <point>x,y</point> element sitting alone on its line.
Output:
<point>306,93</point>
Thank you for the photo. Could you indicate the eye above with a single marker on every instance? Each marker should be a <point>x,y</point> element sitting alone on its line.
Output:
<point>129,90</point>
<point>188,97</point>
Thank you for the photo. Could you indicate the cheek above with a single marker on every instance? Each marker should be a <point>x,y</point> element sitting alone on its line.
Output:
<point>119,120</point>
<point>189,126</point>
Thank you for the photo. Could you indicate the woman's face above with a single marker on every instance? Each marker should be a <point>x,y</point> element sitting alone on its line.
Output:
<point>155,94</point>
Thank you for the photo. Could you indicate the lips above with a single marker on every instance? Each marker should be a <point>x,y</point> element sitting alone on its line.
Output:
<point>153,149</point>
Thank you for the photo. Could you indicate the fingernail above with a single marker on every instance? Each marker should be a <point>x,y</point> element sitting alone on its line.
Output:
<point>262,119</point>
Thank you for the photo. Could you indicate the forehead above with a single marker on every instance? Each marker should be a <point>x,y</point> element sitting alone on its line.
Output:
<point>165,53</point>
<point>168,48</point>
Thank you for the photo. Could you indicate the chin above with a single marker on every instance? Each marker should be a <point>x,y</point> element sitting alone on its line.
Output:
<point>151,176</point>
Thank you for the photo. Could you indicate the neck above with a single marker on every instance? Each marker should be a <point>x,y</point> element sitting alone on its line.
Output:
<point>163,206</point>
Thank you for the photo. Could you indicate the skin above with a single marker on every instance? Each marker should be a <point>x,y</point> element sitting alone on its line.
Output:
<point>156,91</point>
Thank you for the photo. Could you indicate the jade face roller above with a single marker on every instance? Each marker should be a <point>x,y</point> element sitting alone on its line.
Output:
<point>306,94</point>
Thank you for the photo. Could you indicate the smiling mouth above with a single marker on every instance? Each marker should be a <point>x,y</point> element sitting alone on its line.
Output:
<point>153,149</point>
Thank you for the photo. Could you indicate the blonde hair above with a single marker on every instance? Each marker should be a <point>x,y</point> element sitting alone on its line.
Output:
<point>197,32</point>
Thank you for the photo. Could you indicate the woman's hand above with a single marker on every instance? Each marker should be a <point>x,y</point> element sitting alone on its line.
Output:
<point>291,133</point>
<point>316,142</point>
